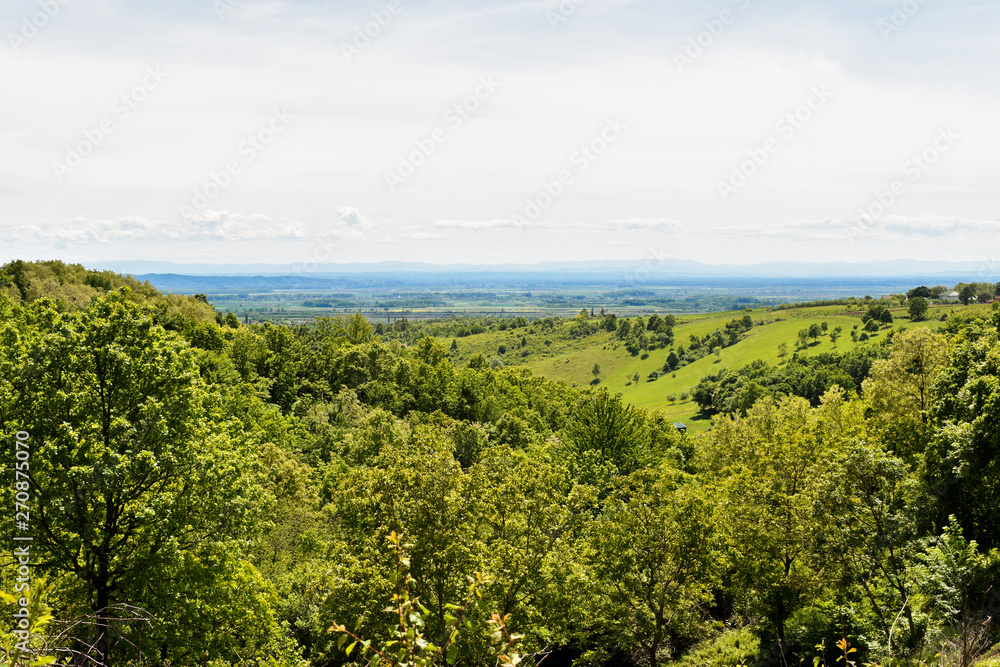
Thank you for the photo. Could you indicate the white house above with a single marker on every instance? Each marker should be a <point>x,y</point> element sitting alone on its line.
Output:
<point>949,296</point>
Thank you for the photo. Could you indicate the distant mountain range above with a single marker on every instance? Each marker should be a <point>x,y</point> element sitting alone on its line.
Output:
<point>980,271</point>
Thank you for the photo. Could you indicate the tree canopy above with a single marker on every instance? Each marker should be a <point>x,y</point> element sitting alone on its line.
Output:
<point>209,492</point>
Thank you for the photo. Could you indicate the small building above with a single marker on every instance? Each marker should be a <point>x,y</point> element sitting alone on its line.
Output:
<point>680,427</point>
<point>888,297</point>
<point>949,296</point>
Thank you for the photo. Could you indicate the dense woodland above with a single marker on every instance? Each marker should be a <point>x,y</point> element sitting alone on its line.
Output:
<point>204,491</point>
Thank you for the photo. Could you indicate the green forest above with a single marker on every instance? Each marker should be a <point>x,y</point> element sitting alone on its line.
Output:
<point>198,490</point>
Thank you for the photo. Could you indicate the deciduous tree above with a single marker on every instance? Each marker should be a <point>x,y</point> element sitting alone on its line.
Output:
<point>917,310</point>
<point>652,552</point>
<point>141,496</point>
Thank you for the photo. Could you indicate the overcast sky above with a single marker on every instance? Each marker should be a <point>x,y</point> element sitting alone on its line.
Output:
<point>725,131</point>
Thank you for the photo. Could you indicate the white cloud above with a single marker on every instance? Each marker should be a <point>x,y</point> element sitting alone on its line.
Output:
<point>206,225</point>
<point>814,230</point>
<point>613,225</point>
<point>888,228</point>
<point>646,225</point>
<point>352,217</point>
<point>933,225</point>
<point>425,236</point>
<point>226,226</point>
<point>475,225</point>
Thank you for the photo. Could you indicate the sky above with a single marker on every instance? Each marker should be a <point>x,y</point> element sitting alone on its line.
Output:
<point>499,131</point>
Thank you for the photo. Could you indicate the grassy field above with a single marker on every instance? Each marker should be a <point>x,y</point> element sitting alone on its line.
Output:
<point>556,354</point>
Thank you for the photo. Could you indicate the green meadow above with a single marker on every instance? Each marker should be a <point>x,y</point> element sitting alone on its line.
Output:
<point>558,355</point>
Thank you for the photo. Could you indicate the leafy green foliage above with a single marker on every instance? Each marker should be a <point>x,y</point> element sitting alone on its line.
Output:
<point>611,429</point>
<point>963,458</point>
<point>733,392</point>
<point>25,646</point>
<point>141,493</point>
<point>652,550</point>
<point>207,491</point>
<point>408,645</point>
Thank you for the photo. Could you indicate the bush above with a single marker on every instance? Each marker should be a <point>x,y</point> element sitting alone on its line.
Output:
<point>685,395</point>
<point>671,397</point>
<point>731,647</point>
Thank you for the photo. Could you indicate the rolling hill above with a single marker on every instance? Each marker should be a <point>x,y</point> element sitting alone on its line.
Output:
<point>558,353</point>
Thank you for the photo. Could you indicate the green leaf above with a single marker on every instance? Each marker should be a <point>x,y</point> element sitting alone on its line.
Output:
<point>452,654</point>
<point>349,649</point>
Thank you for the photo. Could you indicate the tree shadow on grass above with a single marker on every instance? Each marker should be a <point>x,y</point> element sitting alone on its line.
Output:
<point>701,416</point>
